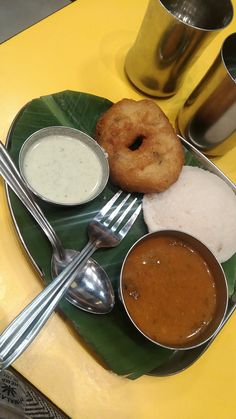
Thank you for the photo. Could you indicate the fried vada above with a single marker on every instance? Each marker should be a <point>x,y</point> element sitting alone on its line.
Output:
<point>145,155</point>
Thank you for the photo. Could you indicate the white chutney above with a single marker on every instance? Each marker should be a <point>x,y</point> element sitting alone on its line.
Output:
<point>62,169</point>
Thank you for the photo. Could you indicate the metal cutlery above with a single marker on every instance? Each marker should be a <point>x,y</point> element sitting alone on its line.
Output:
<point>107,229</point>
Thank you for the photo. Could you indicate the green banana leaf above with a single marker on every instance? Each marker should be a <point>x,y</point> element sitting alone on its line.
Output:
<point>112,337</point>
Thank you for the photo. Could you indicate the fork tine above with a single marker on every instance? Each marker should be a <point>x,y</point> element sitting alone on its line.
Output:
<point>116,211</point>
<point>122,233</point>
<point>123,215</point>
<point>106,207</point>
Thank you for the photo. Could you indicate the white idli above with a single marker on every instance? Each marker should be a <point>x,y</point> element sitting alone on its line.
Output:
<point>199,203</point>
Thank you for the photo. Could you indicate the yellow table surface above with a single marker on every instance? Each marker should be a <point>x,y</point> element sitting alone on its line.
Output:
<point>82,47</point>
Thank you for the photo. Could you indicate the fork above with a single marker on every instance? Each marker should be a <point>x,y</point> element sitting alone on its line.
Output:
<point>107,229</point>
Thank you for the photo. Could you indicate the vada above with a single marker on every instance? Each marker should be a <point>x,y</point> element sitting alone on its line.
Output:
<point>145,155</point>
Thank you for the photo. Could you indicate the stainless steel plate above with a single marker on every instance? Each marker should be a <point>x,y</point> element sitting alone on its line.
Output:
<point>179,360</point>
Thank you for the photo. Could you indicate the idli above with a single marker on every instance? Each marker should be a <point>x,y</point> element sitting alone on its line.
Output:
<point>199,203</point>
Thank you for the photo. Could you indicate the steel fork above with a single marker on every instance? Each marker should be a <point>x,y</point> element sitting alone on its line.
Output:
<point>107,229</point>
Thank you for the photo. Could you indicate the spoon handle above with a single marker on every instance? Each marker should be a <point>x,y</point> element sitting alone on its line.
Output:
<point>11,175</point>
<point>21,331</point>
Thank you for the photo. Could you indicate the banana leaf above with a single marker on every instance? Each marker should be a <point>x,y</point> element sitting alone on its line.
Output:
<point>111,337</point>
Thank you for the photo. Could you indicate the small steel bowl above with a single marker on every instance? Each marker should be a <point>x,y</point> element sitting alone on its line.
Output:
<point>74,134</point>
<point>220,284</point>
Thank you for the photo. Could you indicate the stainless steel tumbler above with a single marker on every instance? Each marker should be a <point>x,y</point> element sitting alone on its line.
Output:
<point>208,117</point>
<point>173,33</point>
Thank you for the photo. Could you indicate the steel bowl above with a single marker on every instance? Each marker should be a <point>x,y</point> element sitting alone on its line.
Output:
<point>220,284</point>
<point>73,133</point>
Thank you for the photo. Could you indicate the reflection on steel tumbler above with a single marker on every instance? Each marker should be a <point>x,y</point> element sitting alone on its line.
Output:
<point>172,35</point>
<point>208,117</point>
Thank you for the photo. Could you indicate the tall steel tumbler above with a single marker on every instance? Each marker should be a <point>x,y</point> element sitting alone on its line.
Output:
<point>208,117</point>
<point>173,33</point>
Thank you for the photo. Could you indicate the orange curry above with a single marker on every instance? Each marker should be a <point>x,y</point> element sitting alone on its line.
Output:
<point>169,290</point>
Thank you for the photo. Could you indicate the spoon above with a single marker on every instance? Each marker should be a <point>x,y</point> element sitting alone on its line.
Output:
<point>91,289</point>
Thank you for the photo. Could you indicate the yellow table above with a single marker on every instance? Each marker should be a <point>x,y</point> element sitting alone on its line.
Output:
<point>83,47</point>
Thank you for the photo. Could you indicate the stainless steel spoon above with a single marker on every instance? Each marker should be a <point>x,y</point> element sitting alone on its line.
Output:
<point>91,289</point>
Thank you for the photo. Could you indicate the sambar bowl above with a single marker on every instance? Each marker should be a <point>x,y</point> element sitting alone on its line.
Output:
<point>173,289</point>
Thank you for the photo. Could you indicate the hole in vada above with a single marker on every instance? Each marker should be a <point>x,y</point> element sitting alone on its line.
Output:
<point>137,143</point>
